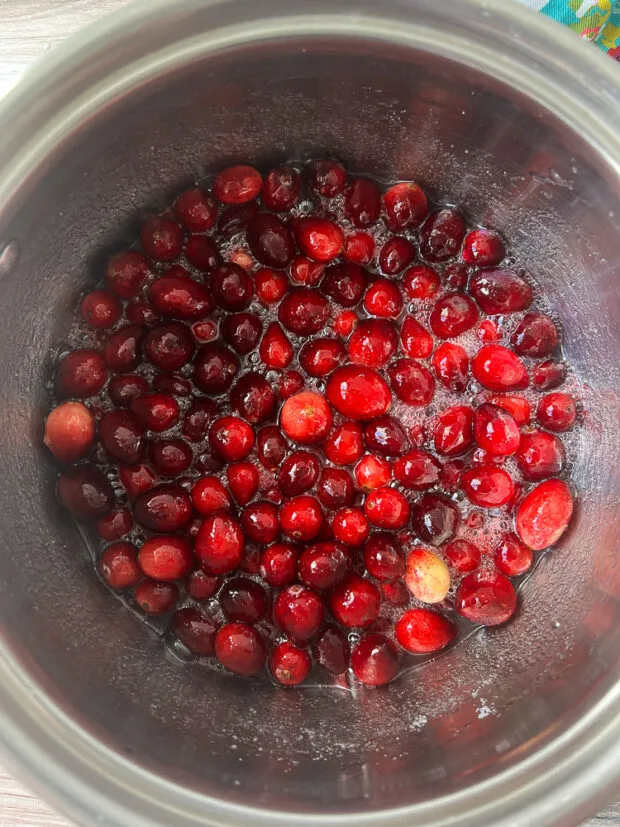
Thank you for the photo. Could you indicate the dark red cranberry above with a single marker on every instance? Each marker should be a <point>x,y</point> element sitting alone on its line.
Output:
<point>197,419</point>
<point>243,479</point>
<point>372,343</point>
<point>500,291</point>
<point>177,296</point>
<point>435,518</point>
<point>382,557</point>
<point>345,444</point>
<point>162,239</point>
<point>453,433</point>
<point>451,473</point>
<point>166,557</point>
<point>319,238</point>
<point>288,664</point>
<point>126,273</point>
<point>281,189</point>
<point>243,599</point>
<point>260,522</point>
<point>387,508</point>
<point>422,632</point>
<point>483,248</point>
<point>289,383</point>
<point>203,254</point>
<point>270,285</point>
<point>164,508</point>
<point>386,436</point>
<point>155,411</point>
<point>271,241</point>
<point>358,392</point>
<point>321,356</point>
<point>411,382</point>
<point>100,309</point>
<point>350,526</point>
<point>156,598</point>
<point>275,350</point>
<point>462,556</point>
<point>196,630</point>
<point>196,210</point>
<point>496,431</point>
<point>81,373</point>
<point>215,368</point>
<point>271,447</point>
<point>326,177</point>
<point>278,564</point>
<point>498,369</point>
<point>305,271</point>
<point>306,418</point>
<point>237,184</point>
<point>140,312</point>
<point>421,282</point>
<point>488,486</point>
<point>169,346</point>
<point>384,299</point>
<point>220,544</point>
<point>137,479</point>
<point>335,488</point>
<point>209,496</point>
<point>456,274</point>
<point>415,339</point>
<point>170,456</point>
<point>441,235</point>
<point>123,349</point>
<point>304,311</point>
<point>231,287</point>
<point>123,389</point>
<point>116,524</point>
<point>299,612</point>
<point>119,567</point>
<point>485,597</point>
<point>331,650</point>
<point>301,518</point>
<point>201,586</point>
<point>359,248</point>
<point>298,473</point>
<point>355,602</point>
<point>240,648</point>
<point>344,283</point>
<point>235,219</point>
<point>557,412</point>
<point>362,202</point>
<point>122,437</point>
<point>231,439</point>
<point>536,335</point>
<point>406,205</point>
<point>396,593</point>
<point>540,455</point>
<point>253,398</point>
<point>548,375</point>
<point>85,492</point>
<point>417,470</point>
<point>395,255</point>
<point>452,315</point>
<point>323,565</point>
<point>512,557</point>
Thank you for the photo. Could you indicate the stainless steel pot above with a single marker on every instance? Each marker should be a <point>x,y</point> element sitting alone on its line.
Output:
<point>486,104</point>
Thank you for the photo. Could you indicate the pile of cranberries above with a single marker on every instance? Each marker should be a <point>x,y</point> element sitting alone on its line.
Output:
<point>315,423</point>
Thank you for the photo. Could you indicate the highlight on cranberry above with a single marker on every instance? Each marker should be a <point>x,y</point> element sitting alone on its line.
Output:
<point>320,425</point>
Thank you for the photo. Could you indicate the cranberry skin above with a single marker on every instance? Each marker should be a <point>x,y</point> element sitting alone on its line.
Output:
<point>435,518</point>
<point>170,456</point>
<point>350,526</point>
<point>345,323</point>
<point>180,297</point>
<point>495,430</point>
<point>80,374</point>
<point>327,177</point>
<point>161,239</point>
<point>498,369</point>
<point>451,366</point>
<point>488,486</point>
<point>237,185</point>
<point>231,287</point>
<point>421,282</point>
<point>500,291</point>
<point>156,598</point>
<point>517,406</point>
<point>373,343</point>
<point>344,283</point>
<point>278,564</point>
<point>123,350</point>
<point>301,518</point>
<point>358,392</point>
<point>386,436</point>
<point>231,439</point>
<point>453,433</point>
<point>271,241</point>
<point>169,346</point>
<point>155,411</point>
<point>331,650</point>
<point>270,285</point>
<point>243,480</point>
<point>318,238</point>
<point>383,298</point>
<point>253,398</point>
<point>536,335</point>
<point>382,558</point>
<point>197,419</point>
<point>215,368</point>
<point>345,444</point>
<point>387,508</point>
<point>233,220</point>
<point>289,665</point>
<point>362,202</point>
<point>305,271</point>
<point>219,544</point>
<point>69,431</point>
<point>196,630</point>
<point>411,382</point>
<point>544,514</point>
<point>540,455</point>
<point>275,350</point>
<point>406,205</point>
<point>359,248</point>
<point>548,375</point>
<point>201,586</point>
<point>119,567</point>
<point>243,600</point>
<point>335,488</point>
<point>304,311</point>
<point>137,479</point>
<point>441,235</point>
<point>122,437</point>
<point>395,255</point>
<point>422,632</point>
<point>260,522</point>
<point>272,447</point>
<point>209,496</point>
<point>557,412</point>
<point>415,339</point>
<point>164,508</point>
<point>298,473</point>
<point>512,557</point>
<point>281,189</point>
<point>453,315</point>
<point>299,612</point>
<point>355,602</point>
<point>100,309</point>
<point>242,332</point>
<point>126,273</point>
<point>166,557</point>
<point>321,356</point>
<point>172,385</point>
<point>122,389</point>
<point>374,660</point>
<point>116,524</point>
<point>417,470</point>
<point>306,418</point>
<point>323,565</point>
<point>196,210</point>
<point>487,598</point>
<point>240,649</point>
<point>462,556</point>
<point>203,254</point>
<point>372,472</point>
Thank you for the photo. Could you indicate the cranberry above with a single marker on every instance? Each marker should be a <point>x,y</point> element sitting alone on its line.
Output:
<point>271,241</point>
<point>304,311</point>
<point>496,431</point>
<point>385,435</point>
<point>289,664</point>
<point>203,253</point>
<point>170,456</point>
<point>237,185</point>
<point>231,439</point>
<point>451,473</point>
<point>121,436</point>
<point>271,447</point>
<point>350,526</point>
<point>415,339</point>
<point>395,255</point>
<point>544,514</point>
<point>243,480</point>
<point>100,309</point>
<point>498,369</point>
<point>420,282</point>
<point>81,373</point>
<point>323,565</point>
<point>359,248</point>
<point>69,431</point>
<point>119,566</point>
<point>242,332</point>
<point>173,385</point>
<point>344,445</point>
<point>164,508</point>
<point>298,473</point>
<point>453,434</point>
<point>122,389</point>
<point>155,411</point>
<point>372,472</point>
<point>358,392</point>
<point>500,291</point>
<point>156,598</point>
<point>321,356</point>
<point>219,544</point>
<point>451,366</point>
<point>240,649</point>
<point>488,486</point>
<point>169,347</point>
<point>260,522</point>
<point>306,417</point>
<point>196,630</point>
<point>548,375</point>
<point>374,660</point>
<point>441,235</point>
<point>161,239</point>
<point>422,632</point>
<point>215,368</point>
<point>435,518</point>
<point>536,335</point>
<point>299,612</point>
<point>345,323</point>
<point>483,248</point>
<point>253,398</point>
<point>137,479</point>
<point>243,600</point>
<point>335,488</point>
<point>462,556</point>
<point>417,470</point>
<point>278,564</point>
<point>233,220</point>
<point>209,496</point>
<point>488,598</point>
<point>517,406</point>
<point>344,283</point>
<point>115,524</point>
<point>540,455</point>
<point>383,298</point>
<point>327,177</point>
<point>231,287</point>
<point>201,586</point>
<point>512,557</point>
<point>281,189</point>
<point>166,557</point>
<point>270,286</point>
<point>318,238</point>
<point>177,296</point>
<point>411,382</point>
<point>196,210</point>
<point>362,202</point>
<point>427,577</point>
<point>373,342</point>
<point>557,412</point>
<point>197,419</point>
<point>305,271</point>
<point>456,275</point>
<point>331,650</point>
<point>123,349</point>
<point>452,315</point>
<point>488,332</point>
<point>301,518</point>
<point>126,273</point>
<point>382,558</point>
<point>387,508</point>
<point>355,602</point>
<point>406,205</point>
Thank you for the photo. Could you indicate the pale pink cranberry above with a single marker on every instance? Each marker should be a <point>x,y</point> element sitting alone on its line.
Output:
<point>462,556</point>
<point>387,508</point>
<point>374,660</point>
<point>115,525</point>
<point>453,432</point>
<point>373,343</point>
<point>483,248</point>
<point>415,339</point>
<point>488,486</point>
<point>548,375</point>
<point>422,631</point>
<point>323,565</point>
<point>421,282</point>
<point>220,544</point>
<point>195,629</point>
<point>278,564</point>
<point>362,202</point>
<point>499,369</point>
<point>155,411</point>
<point>162,239</point>
<point>345,283</point>
<point>305,271</point>
<point>427,576</point>
<point>288,664</point>
<point>557,412</point>
<point>372,472</point>
<point>304,311</point>
<point>231,439</point>
<point>166,557</point>
<point>270,285</point>
<point>385,435</point>
<point>382,557</point>
<point>350,526</point>
<point>170,457</point>
<point>500,291</point>
<point>345,444</point>
<point>237,185</point>
<point>281,189</point>
<point>487,598</point>
<point>155,598</point>
<point>417,470</point>
<point>319,238</point>
<point>335,488</point>
<point>451,366</point>
<point>355,602</point>
<point>196,210</point>
<point>359,248</point>
<point>201,586</point>
<point>441,235</point>
<point>395,255</point>
<point>452,315</point>
<point>406,205</point>
<point>536,335</point>
<point>384,299</point>
<point>100,309</point>
<point>540,455</point>
<point>253,398</point>
<point>240,648</point>
<point>411,382</point>
<point>137,479</point>
<point>435,518</point>
<point>306,418</point>
<point>126,273</point>
<point>517,406</point>
<point>327,177</point>
<point>512,557</point>
<point>299,612</point>
<point>118,565</point>
<point>496,431</point>
<point>321,356</point>
<point>331,650</point>
<point>69,431</point>
<point>169,347</point>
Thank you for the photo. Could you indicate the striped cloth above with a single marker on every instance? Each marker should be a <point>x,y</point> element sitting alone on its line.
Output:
<point>595,20</point>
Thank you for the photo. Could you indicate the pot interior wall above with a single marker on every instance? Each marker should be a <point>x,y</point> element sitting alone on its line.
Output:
<point>498,695</point>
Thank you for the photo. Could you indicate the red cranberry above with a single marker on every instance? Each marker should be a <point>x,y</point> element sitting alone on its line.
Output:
<point>331,650</point>
<point>327,177</point>
<point>452,315</point>
<point>271,447</point>
<point>260,522</point>
<point>544,514</point>
<point>498,369</point>
<point>156,598</point>
<point>123,350</point>
<point>196,630</point>
<point>512,557</point>
<point>496,431</point>
<point>488,598</point>
<point>281,189</point>
<point>411,382</point>
<point>219,544</point>
<point>385,435</point>
<point>301,518</point>
<point>453,434</point>
<point>137,479</point>
<point>299,612</point>
<point>253,398</point>
<point>451,473</point>
<point>201,586</point>
<point>318,238</point>
<point>321,356</point>
<point>240,649</point>
<point>231,287</point>
<point>435,518</point>
<point>441,235</point>
<point>289,383</point>
<point>270,285</point>
<point>355,602</point>
<point>278,564</point>
<point>423,632</point>
<point>161,239</point>
<point>177,296</point>
<point>488,332</point>
<point>298,473</point>
<point>456,275</point>
<point>231,439</point>
<point>166,557</point>
<point>81,373</point>
<point>215,368</point>
<point>359,248</point>
<point>203,254</point>
<point>126,273</point>
<point>396,593</point>
<point>382,558</point>
<point>243,479</point>
<point>335,488</point>
<point>417,470</point>
<point>197,419</point>
<point>383,298</point>
<point>122,437</point>
<point>155,411</point>
<point>237,185</point>
<point>358,392</point>
<point>451,366</point>
<point>304,311</point>
<point>362,202</point>
<point>116,524</point>
<point>488,486</point>
<point>275,350</point>
<point>557,412</point>
<point>540,455</point>
<point>536,335</point>
<point>344,445</point>
<point>100,309</point>
<point>243,600</point>
<point>406,205</point>
<point>387,508</point>
<point>163,508</point>
<point>141,313</point>
<point>323,565</point>
<point>374,660</point>
<point>305,271</point>
<point>119,566</point>
<point>344,283</point>
<point>289,665</point>
<point>395,255</point>
<point>171,456</point>
<point>306,418</point>
<point>69,431</point>
<point>462,556</point>
<point>416,341</point>
<point>233,220</point>
<point>196,210</point>
<point>209,496</point>
<point>169,347</point>
<point>500,291</point>
<point>517,406</point>
<point>548,375</point>
<point>270,241</point>
<point>350,526</point>
<point>483,248</point>
<point>421,282</point>
<point>372,472</point>
<point>373,343</point>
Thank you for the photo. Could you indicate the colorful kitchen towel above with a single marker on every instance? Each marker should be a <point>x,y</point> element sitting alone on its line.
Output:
<point>595,20</point>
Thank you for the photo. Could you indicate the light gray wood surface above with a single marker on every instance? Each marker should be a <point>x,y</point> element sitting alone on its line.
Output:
<point>28,29</point>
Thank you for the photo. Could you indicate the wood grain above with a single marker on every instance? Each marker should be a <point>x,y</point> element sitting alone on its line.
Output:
<point>28,29</point>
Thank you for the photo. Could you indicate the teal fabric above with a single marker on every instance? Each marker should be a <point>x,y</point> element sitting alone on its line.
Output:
<point>594,20</point>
